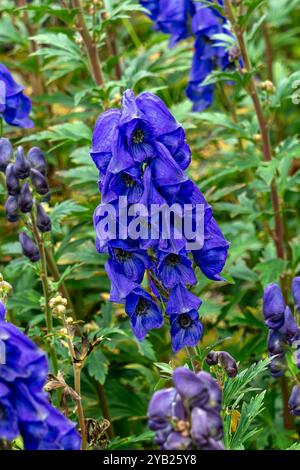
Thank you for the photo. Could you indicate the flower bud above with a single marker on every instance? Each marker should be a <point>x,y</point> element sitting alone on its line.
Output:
<point>296,292</point>
<point>6,151</point>
<point>39,182</point>
<point>43,222</point>
<point>25,200</point>
<point>12,182</point>
<point>37,159</point>
<point>294,401</point>
<point>212,358</point>
<point>277,366</point>
<point>22,165</point>
<point>273,307</point>
<point>11,209</point>
<point>276,342</point>
<point>228,363</point>
<point>29,248</point>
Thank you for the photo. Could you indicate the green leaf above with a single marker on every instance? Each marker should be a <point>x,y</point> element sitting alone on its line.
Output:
<point>97,365</point>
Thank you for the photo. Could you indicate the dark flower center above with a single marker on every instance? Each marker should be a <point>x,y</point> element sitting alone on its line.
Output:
<point>138,136</point>
<point>122,255</point>
<point>184,321</point>
<point>129,182</point>
<point>142,306</point>
<point>173,259</point>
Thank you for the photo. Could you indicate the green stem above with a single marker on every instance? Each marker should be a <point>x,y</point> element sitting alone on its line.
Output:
<point>77,367</point>
<point>56,275</point>
<point>45,284</point>
<point>104,407</point>
<point>89,43</point>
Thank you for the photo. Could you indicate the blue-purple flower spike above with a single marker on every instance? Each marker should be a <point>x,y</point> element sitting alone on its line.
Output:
<point>141,154</point>
<point>187,416</point>
<point>24,406</point>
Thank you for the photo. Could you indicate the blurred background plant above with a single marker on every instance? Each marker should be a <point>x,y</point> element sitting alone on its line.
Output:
<point>75,58</point>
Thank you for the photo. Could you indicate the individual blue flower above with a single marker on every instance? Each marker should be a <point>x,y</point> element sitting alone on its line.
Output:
<point>143,312</point>
<point>211,258</point>
<point>125,183</point>
<point>175,268</point>
<point>15,107</point>
<point>170,16</point>
<point>294,401</point>
<point>296,292</point>
<point>273,306</point>
<point>181,300</point>
<point>129,260</point>
<point>24,406</point>
<point>186,330</point>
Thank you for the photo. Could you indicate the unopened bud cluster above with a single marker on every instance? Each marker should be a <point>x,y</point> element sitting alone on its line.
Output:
<point>268,86</point>
<point>5,288</point>
<point>25,178</point>
<point>58,305</point>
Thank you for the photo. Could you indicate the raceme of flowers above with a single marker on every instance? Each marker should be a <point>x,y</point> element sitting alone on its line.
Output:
<point>24,406</point>
<point>141,153</point>
<point>15,107</point>
<point>188,415</point>
<point>27,187</point>
<point>283,333</point>
<point>183,18</point>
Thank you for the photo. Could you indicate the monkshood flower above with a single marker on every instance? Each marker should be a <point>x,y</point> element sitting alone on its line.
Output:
<point>183,18</point>
<point>141,154</point>
<point>15,107</point>
<point>283,329</point>
<point>24,406</point>
<point>188,416</point>
<point>223,359</point>
<point>208,55</point>
<point>170,17</point>
<point>294,401</point>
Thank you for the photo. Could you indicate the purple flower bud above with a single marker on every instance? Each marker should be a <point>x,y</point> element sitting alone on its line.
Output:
<point>294,401</point>
<point>39,182</point>
<point>273,307</point>
<point>290,329</point>
<point>296,292</point>
<point>12,182</point>
<point>11,209</point>
<point>29,248</point>
<point>212,358</point>
<point>276,342</point>
<point>43,222</point>
<point>37,159</point>
<point>177,441</point>
<point>6,151</point>
<point>25,201</point>
<point>22,165</point>
<point>228,363</point>
<point>277,366</point>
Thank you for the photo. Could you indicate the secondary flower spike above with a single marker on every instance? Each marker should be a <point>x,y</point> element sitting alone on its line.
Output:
<point>188,415</point>
<point>141,154</point>
<point>183,18</point>
<point>24,407</point>
<point>15,107</point>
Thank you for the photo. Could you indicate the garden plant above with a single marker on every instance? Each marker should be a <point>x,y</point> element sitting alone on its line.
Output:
<point>149,225</point>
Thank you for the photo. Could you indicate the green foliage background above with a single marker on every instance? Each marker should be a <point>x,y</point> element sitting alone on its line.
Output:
<point>40,42</point>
